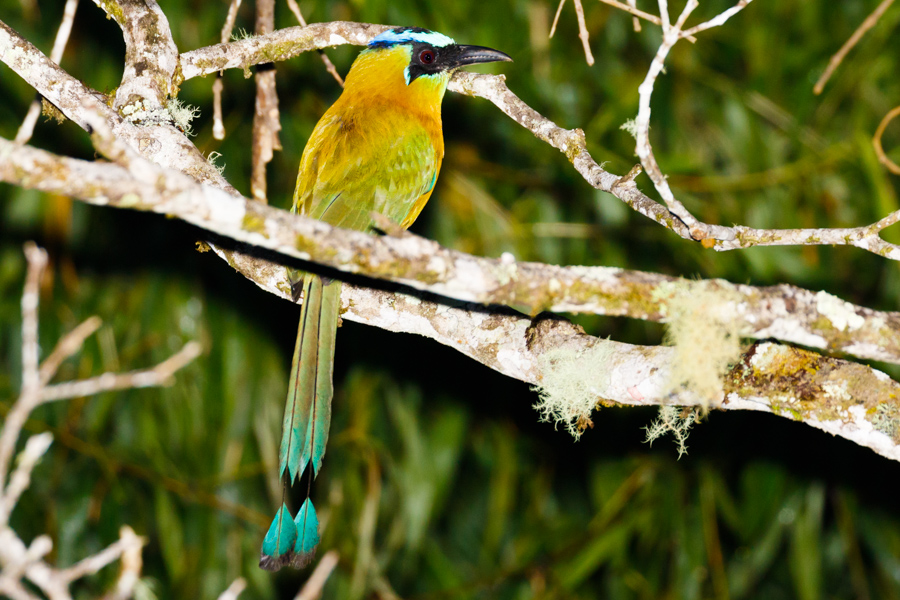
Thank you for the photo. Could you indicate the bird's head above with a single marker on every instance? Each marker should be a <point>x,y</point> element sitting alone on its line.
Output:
<point>431,54</point>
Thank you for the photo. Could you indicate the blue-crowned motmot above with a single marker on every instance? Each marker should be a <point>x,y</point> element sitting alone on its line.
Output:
<point>378,149</point>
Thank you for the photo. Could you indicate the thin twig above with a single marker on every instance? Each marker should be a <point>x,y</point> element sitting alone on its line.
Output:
<point>12,426</point>
<point>716,21</point>
<point>234,590</point>
<point>37,261</point>
<point>839,56</point>
<point>638,13</point>
<point>329,66</point>
<point>160,375</point>
<point>644,150</point>
<point>635,22</point>
<point>68,346</point>
<point>35,448</point>
<point>266,124</point>
<point>230,18</point>
<point>132,563</point>
<point>312,589</point>
<point>218,124</point>
<point>876,141</point>
<point>556,17</point>
<point>128,540</point>
<point>26,130</point>
<point>583,33</point>
<point>218,84</point>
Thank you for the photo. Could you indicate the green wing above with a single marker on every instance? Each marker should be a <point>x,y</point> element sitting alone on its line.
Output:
<point>341,184</point>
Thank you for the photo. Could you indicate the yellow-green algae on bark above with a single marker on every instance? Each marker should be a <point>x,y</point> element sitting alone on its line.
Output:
<point>807,386</point>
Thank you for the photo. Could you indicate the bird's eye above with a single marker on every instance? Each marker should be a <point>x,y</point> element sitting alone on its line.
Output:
<point>426,57</point>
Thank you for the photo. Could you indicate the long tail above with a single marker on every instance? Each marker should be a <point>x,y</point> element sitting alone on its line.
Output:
<point>307,417</point>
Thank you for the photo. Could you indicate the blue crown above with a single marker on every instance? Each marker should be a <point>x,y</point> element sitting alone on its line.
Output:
<point>410,35</point>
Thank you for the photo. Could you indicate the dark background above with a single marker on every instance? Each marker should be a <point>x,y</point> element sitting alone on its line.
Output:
<point>473,497</point>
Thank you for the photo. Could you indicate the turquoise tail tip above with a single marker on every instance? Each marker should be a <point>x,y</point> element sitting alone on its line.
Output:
<point>307,525</point>
<point>291,542</point>
<point>278,545</point>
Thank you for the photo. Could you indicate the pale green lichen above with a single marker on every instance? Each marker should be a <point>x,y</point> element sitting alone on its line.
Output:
<point>212,159</point>
<point>630,126</point>
<point>183,114</point>
<point>571,384</point>
<point>240,34</point>
<point>705,337</point>
<point>675,421</point>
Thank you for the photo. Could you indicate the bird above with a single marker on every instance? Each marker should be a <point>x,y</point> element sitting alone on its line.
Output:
<point>377,149</point>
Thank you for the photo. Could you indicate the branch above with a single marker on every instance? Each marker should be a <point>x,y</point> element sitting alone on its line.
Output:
<point>876,141</point>
<point>817,320</point>
<point>844,398</point>
<point>266,119</point>
<point>286,43</point>
<point>514,343</point>
<point>59,46</point>
<point>277,46</point>
<point>150,60</point>
<point>839,56</point>
<point>16,560</point>
<point>163,143</point>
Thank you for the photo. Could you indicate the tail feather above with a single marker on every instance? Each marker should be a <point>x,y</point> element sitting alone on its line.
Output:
<point>307,414</point>
<point>280,541</point>
<point>307,418</point>
<point>307,524</point>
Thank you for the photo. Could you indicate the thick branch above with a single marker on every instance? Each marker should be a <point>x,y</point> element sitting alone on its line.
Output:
<point>274,47</point>
<point>150,60</point>
<point>511,343</point>
<point>286,43</point>
<point>844,398</point>
<point>163,143</point>
<point>813,319</point>
<point>791,314</point>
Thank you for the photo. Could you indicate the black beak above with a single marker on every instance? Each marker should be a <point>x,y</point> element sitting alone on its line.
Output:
<point>461,56</point>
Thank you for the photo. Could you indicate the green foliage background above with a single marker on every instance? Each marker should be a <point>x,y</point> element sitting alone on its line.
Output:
<point>439,482</point>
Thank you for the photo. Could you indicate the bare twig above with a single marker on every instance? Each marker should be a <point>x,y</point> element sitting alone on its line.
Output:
<point>635,22</point>
<point>266,124</point>
<point>68,346</point>
<point>329,66</point>
<point>637,13</point>
<point>556,17</point>
<point>218,85</point>
<point>218,124</point>
<point>716,21</point>
<point>35,448</point>
<point>132,563</point>
<point>37,262</point>
<point>839,56</point>
<point>16,560</point>
<point>59,45</point>
<point>160,375</point>
<point>312,589</point>
<point>876,141</point>
<point>230,18</point>
<point>583,33</point>
<point>671,35</point>
<point>234,590</point>
<point>128,540</point>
